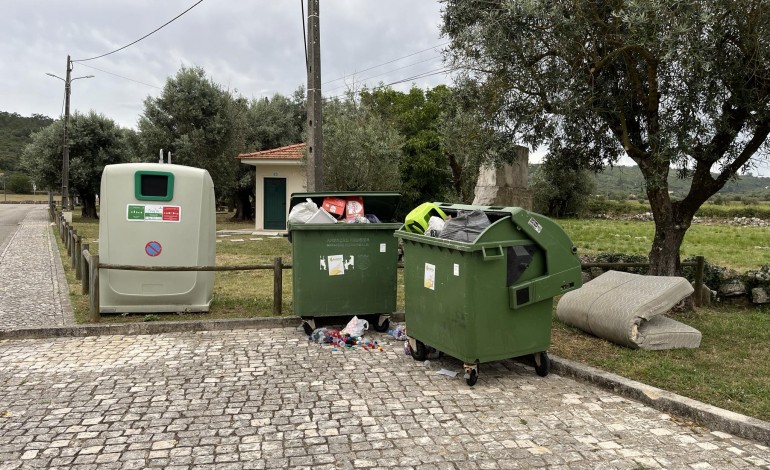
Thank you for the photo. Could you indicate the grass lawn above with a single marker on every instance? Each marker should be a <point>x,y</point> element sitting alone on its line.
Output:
<point>739,248</point>
<point>730,370</point>
<point>38,197</point>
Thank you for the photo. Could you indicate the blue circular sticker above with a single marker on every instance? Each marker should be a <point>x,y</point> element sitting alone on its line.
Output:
<point>153,248</point>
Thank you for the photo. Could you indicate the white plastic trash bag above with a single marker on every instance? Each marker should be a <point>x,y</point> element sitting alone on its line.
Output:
<point>435,226</point>
<point>355,327</point>
<point>302,212</point>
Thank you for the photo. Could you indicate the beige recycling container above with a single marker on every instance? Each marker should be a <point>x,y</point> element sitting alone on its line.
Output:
<point>154,214</point>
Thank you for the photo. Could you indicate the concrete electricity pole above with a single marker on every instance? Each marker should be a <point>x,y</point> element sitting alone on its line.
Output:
<point>314,115</point>
<point>65,166</point>
<point>66,203</point>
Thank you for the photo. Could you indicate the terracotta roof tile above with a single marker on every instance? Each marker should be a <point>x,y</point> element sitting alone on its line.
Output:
<point>290,152</point>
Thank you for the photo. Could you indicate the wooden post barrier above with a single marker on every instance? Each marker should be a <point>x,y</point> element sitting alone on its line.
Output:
<point>85,282</point>
<point>84,261</point>
<point>94,288</point>
<point>77,256</point>
<point>74,252</point>
<point>277,286</point>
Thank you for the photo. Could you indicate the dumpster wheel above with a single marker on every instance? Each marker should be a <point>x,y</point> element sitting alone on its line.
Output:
<point>380,323</point>
<point>542,363</point>
<point>417,349</point>
<point>471,373</point>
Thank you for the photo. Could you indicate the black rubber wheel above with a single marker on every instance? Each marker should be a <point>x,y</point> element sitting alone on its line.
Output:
<point>545,364</point>
<point>420,352</point>
<point>473,376</point>
<point>380,328</point>
<point>308,329</point>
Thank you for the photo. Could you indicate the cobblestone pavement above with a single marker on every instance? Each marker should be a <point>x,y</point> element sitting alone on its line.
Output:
<point>271,399</point>
<point>33,290</point>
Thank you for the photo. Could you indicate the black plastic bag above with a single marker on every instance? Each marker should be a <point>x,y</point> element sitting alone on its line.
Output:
<point>466,226</point>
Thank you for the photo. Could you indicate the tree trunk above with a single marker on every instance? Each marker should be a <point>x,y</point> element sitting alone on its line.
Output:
<point>88,210</point>
<point>244,209</point>
<point>672,220</point>
<point>664,255</point>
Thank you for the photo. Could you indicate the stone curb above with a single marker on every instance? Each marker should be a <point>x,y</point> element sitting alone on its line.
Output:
<point>159,327</point>
<point>149,328</point>
<point>716,419</point>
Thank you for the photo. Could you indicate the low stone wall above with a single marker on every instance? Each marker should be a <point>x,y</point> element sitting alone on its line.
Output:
<point>725,285</point>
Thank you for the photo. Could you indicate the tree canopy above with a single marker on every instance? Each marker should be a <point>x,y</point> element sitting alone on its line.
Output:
<point>15,132</point>
<point>199,122</point>
<point>673,84</point>
<point>94,141</point>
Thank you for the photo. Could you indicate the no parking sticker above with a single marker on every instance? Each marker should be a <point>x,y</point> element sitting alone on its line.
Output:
<point>153,248</point>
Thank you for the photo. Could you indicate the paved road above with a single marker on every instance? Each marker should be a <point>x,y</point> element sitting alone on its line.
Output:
<point>270,399</point>
<point>33,290</point>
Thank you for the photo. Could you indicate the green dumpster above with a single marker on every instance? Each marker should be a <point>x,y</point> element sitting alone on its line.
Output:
<point>345,269</point>
<point>491,298</point>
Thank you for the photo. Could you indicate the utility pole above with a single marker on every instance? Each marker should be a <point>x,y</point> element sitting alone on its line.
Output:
<point>314,114</point>
<point>66,203</point>
<point>65,165</point>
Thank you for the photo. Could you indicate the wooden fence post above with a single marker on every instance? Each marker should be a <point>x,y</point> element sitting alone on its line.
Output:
<point>85,262</point>
<point>699,271</point>
<point>74,253</point>
<point>94,288</point>
<point>277,286</point>
<point>77,257</point>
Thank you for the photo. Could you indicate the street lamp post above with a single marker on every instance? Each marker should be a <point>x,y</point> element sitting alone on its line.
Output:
<point>66,202</point>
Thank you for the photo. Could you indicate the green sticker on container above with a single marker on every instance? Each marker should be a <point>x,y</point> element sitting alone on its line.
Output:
<point>153,213</point>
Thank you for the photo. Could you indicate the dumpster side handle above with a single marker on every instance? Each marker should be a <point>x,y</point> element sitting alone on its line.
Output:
<point>490,253</point>
<point>543,287</point>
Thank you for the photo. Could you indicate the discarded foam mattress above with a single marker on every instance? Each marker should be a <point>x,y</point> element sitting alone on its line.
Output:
<point>627,309</point>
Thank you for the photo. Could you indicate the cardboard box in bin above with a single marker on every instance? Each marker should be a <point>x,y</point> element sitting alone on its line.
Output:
<point>354,207</point>
<point>335,206</point>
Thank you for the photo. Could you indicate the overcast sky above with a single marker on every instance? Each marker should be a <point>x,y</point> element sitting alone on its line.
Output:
<point>252,46</point>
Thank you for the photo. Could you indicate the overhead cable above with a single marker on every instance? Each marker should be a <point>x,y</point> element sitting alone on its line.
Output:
<point>143,37</point>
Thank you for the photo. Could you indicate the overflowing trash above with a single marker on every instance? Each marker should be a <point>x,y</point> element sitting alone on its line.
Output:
<point>428,219</point>
<point>343,341</point>
<point>398,331</point>
<point>349,210</point>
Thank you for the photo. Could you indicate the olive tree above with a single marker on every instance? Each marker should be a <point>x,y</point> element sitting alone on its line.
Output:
<point>94,141</point>
<point>676,85</point>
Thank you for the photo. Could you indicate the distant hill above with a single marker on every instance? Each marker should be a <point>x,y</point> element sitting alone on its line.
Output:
<point>622,182</point>
<point>15,131</point>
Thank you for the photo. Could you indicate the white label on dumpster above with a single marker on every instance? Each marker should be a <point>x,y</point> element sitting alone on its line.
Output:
<point>382,247</point>
<point>430,276</point>
<point>457,269</point>
<point>336,265</point>
<point>535,225</point>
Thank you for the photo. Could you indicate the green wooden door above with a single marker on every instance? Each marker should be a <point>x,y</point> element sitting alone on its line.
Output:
<point>275,203</point>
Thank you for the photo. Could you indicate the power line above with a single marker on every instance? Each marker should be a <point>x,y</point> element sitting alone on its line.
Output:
<point>388,62</point>
<point>143,37</point>
<point>121,76</point>
<point>389,71</point>
<point>304,37</point>
<point>426,74</point>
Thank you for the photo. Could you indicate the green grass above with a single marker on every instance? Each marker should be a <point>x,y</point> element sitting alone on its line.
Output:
<point>739,248</point>
<point>731,369</point>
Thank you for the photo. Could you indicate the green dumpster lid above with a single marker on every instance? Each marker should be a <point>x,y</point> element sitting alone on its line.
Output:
<point>381,204</point>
